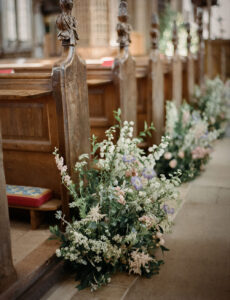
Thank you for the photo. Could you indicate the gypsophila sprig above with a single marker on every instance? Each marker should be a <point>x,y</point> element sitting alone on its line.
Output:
<point>124,208</point>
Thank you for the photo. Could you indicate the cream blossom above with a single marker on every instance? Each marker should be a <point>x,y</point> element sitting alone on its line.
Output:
<point>138,260</point>
<point>94,214</point>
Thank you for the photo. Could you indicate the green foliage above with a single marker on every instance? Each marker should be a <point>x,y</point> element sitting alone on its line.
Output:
<point>122,205</point>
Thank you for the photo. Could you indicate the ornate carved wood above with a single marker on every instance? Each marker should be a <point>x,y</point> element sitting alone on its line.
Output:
<point>200,54</point>
<point>7,271</point>
<point>71,93</point>
<point>176,69</point>
<point>190,73</point>
<point>125,69</point>
<point>156,83</point>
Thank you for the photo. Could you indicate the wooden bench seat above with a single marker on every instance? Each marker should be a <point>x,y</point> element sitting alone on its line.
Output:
<point>18,94</point>
<point>36,212</point>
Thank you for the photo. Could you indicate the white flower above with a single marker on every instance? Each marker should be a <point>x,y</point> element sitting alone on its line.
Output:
<point>94,214</point>
<point>58,253</point>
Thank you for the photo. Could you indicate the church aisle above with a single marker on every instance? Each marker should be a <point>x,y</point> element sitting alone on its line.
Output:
<point>198,264</point>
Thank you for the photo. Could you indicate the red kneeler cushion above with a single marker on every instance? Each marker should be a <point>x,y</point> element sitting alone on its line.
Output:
<point>27,195</point>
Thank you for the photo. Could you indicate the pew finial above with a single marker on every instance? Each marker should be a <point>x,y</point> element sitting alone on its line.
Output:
<point>123,27</point>
<point>154,31</point>
<point>175,36</point>
<point>189,37</point>
<point>67,24</point>
<point>200,26</point>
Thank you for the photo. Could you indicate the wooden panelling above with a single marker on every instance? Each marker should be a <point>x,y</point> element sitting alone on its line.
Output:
<point>29,126</point>
<point>142,109</point>
<point>102,103</point>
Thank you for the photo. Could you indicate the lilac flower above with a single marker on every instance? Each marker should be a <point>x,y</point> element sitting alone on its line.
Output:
<point>195,117</point>
<point>149,173</point>
<point>168,210</point>
<point>205,136</point>
<point>128,158</point>
<point>136,182</point>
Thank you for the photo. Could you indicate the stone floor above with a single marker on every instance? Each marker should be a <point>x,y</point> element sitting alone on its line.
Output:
<point>198,264</point>
<point>23,239</point>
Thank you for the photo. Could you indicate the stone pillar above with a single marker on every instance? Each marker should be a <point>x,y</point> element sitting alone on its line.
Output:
<point>141,19</point>
<point>154,6</point>
<point>7,271</point>
<point>38,29</point>
<point>113,5</point>
<point>176,69</point>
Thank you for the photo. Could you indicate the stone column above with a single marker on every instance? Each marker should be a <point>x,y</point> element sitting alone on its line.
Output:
<point>7,271</point>
<point>38,29</point>
<point>113,4</point>
<point>154,6</point>
<point>141,19</point>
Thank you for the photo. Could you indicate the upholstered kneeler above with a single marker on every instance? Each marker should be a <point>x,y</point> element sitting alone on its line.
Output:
<point>27,196</point>
<point>36,200</point>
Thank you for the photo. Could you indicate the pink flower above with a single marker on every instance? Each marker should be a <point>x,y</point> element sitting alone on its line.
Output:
<point>168,155</point>
<point>120,193</point>
<point>222,116</point>
<point>181,154</point>
<point>67,180</point>
<point>121,200</point>
<point>173,163</point>
<point>200,152</point>
<point>128,173</point>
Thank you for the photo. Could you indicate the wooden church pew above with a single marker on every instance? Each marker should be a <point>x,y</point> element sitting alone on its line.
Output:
<point>115,86</point>
<point>40,111</point>
<point>189,70</point>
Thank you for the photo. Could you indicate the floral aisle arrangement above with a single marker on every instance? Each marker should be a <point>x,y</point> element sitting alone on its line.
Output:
<point>124,209</point>
<point>214,103</point>
<point>190,145</point>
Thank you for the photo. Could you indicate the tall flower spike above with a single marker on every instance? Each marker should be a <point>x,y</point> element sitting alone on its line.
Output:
<point>175,36</point>
<point>154,31</point>
<point>67,24</point>
<point>123,28</point>
<point>200,25</point>
<point>189,37</point>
